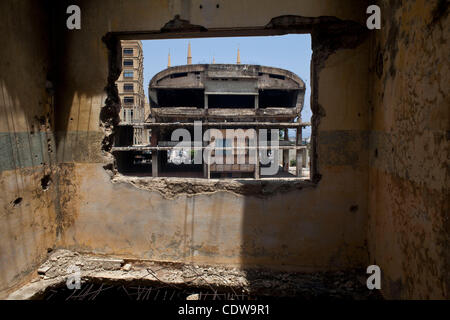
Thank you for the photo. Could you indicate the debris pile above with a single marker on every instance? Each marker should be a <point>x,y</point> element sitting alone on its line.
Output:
<point>193,281</point>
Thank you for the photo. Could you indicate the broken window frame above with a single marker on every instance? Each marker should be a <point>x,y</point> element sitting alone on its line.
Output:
<point>313,146</point>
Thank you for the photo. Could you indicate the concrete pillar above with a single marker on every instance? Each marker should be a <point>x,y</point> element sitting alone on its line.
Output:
<point>145,134</point>
<point>155,155</point>
<point>299,167</point>
<point>304,158</point>
<point>207,169</point>
<point>286,153</point>
<point>155,162</point>
<point>206,101</point>
<point>306,164</point>
<point>206,165</point>
<point>256,101</point>
<point>299,153</point>
<point>257,155</point>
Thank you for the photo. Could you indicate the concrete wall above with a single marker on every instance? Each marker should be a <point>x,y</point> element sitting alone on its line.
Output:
<point>379,163</point>
<point>27,206</point>
<point>320,227</point>
<point>409,224</point>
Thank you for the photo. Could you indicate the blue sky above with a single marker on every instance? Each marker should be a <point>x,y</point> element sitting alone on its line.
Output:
<point>291,52</point>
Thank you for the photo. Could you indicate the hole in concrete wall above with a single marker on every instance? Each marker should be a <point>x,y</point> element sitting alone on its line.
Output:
<point>231,101</point>
<point>277,98</point>
<point>276,76</point>
<point>178,75</point>
<point>45,182</point>
<point>211,80</point>
<point>180,98</point>
<point>17,202</point>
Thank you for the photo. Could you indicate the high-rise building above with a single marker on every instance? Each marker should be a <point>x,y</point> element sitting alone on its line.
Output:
<point>131,89</point>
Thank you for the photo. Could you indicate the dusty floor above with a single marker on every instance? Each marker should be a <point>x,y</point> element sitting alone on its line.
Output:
<point>107,277</point>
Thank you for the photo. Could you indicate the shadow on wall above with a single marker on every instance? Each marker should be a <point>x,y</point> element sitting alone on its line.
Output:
<point>295,230</point>
<point>40,118</point>
<point>282,241</point>
<point>313,230</point>
<point>27,201</point>
<point>79,104</point>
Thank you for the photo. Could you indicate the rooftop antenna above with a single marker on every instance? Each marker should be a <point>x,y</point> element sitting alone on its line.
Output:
<point>189,55</point>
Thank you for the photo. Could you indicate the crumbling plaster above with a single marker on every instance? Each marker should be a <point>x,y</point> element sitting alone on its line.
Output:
<point>408,197</point>
<point>28,202</point>
<point>87,196</point>
<point>379,195</point>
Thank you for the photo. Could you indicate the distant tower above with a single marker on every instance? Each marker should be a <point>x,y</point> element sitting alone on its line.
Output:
<point>238,61</point>
<point>189,56</point>
<point>214,60</point>
<point>168,61</point>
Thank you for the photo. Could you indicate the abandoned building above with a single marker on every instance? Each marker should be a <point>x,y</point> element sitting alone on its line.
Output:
<point>238,97</point>
<point>378,192</point>
<point>134,107</point>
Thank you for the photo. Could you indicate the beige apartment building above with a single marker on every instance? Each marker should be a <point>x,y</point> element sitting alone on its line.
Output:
<point>131,90</point>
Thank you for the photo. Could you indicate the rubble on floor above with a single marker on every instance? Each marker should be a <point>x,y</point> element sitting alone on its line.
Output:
<point>192,282</point>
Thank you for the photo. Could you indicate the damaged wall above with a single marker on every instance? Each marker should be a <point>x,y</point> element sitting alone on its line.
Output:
<point>401,133</point>
<point>27,164</point>
<point>409,223</point>
<point>318,227</point>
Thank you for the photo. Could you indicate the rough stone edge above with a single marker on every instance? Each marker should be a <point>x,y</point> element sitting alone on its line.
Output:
<point>171,188</point>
